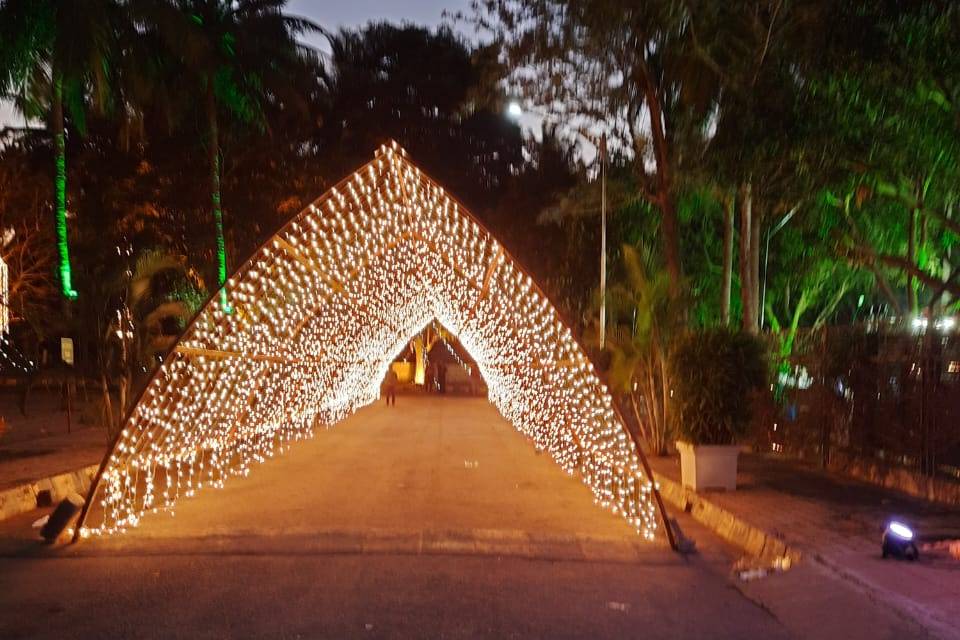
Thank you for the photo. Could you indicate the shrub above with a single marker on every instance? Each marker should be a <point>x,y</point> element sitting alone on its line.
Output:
<point>714,372</point>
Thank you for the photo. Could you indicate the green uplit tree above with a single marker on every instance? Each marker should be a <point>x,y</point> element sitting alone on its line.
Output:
<point>55,58</point>
<point>229,57</point>
<point>891,120</point>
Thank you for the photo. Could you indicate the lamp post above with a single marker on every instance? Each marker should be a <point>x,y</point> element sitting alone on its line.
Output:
<point>515,112</point>
<point>603,240</point>
<point>766,260</point>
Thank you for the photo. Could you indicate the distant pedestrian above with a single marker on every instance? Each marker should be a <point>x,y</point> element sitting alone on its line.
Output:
<point>442,377</point>
<point>475,380</point>
<point>390,387</point>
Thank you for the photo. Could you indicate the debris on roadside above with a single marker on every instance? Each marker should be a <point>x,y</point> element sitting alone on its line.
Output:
<point>750,568</point>
<point>752,574</point>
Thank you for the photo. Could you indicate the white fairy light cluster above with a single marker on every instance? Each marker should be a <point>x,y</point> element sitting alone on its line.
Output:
<point>315,318</point>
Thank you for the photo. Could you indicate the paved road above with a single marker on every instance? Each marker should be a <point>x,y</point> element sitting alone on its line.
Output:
<point>838,523</point>
<point>434,519</point>
<point>436,464</point>
<point>338,596</point>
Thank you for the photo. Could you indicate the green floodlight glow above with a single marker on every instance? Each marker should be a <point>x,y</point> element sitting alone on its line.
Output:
<point>218,222</point>
<point>63,249</point>
<point>221,243</point>
<point>222,262</point>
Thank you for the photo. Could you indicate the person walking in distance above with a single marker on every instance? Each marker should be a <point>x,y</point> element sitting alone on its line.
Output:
<point>390,387</point>
<point>442,377</point>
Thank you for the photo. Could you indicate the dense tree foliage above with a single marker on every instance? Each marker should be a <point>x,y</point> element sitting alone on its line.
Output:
<point>773,164</point>
<point>803,120</point>
<point>794,162</point>
<point>56,58</point>
<point>217,102</point>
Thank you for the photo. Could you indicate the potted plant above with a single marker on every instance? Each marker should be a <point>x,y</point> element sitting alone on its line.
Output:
<point>714,373</point>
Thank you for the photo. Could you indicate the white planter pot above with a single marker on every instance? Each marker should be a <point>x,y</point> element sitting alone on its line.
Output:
<point>704,467</point>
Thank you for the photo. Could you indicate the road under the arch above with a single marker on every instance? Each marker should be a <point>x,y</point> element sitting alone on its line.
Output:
<point>434,473</point>
<point>433,519</point>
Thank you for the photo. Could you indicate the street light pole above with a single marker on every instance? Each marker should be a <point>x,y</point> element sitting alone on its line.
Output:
<point>603,240</point>
<point>766,260</point>
<point>515,111</point>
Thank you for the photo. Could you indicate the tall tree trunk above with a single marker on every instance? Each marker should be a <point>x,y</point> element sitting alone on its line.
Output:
<point>107,404</point>
<point>912,258</point>
<point>642,427</point>
<point>670,230</point>
<point>947,262</point>
<point>755,222</point>
<point>670,226</point>
<point>726,284</point>
<point>748,321</point>
<point>786,348</point>
<point>652,400</point>
<point>213,150</point>
<point>923,259</point>
<point>60,187</point>
<point>667,413</point>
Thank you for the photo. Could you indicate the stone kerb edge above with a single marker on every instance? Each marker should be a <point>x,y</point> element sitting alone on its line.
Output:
<point>23,498</point>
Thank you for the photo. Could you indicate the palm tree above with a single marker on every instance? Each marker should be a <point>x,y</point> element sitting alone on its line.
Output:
<point>136,305</point>
<point>639,352</point>
<point>55,57</point>
<point>159,296</point>
<point>237,57</point>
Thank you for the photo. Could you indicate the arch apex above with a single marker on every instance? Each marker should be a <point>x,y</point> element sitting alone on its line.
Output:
<point>391,146</point>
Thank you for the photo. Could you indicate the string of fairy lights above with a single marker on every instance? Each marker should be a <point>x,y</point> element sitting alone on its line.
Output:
<point>313,320</point>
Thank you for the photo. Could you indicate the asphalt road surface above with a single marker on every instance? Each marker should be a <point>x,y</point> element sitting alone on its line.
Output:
<point>434,519</point>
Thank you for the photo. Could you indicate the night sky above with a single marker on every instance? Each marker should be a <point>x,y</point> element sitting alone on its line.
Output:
<point>335,14</point>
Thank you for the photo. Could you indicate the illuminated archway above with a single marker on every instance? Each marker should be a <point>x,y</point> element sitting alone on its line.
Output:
<point>314,318</point>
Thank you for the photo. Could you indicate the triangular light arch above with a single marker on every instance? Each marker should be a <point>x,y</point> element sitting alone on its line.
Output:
<point>313,319</point>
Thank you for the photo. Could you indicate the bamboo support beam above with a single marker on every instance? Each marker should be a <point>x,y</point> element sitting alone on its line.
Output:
<point>299,257</point>
<point>259,357</point>
<point>487,277</point>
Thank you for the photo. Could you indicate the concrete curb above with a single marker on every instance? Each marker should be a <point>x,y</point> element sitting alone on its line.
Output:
<point>742,534</point>
<point>462,542</point>
<point>738,532</point>
<point>23,498</point>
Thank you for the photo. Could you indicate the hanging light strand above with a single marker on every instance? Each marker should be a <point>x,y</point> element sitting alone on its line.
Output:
<point>316,317</point>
